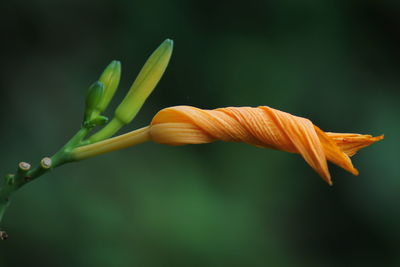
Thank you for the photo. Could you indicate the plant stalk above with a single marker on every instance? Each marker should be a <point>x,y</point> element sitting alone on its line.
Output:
<point>25,175</point>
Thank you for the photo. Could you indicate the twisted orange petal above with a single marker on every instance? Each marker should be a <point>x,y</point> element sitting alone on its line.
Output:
<point>263,127</point>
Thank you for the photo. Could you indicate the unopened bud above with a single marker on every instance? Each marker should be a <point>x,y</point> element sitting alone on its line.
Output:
<point>141,88</point>
<point>110,78</point>
<point>145,82</point>
<point>93,98</point>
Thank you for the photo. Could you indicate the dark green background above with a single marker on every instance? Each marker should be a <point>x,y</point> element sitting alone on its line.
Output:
<point>220,204</point>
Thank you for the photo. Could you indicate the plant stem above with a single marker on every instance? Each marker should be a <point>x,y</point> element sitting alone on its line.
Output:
<point>109,130</point>
<point>119,142</point>
<point>13,182</point>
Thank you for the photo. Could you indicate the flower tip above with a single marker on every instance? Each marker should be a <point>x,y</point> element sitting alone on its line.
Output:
<point>167,46</point>
<point>114,68</point>
<point>168,42</point>
<point>327,178</point>
<point>372,139</point>
<point>355,172</point>
<point>115,65</point>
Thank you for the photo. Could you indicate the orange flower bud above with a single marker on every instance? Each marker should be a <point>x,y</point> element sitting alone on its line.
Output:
<point>263,127</point>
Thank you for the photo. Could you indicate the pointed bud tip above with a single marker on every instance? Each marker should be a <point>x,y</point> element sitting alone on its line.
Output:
<point>115,64</point>
<point>168,42</point>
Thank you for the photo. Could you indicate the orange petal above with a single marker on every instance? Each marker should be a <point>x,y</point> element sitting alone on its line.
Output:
<point>350,143</point>
<point>263,127</point>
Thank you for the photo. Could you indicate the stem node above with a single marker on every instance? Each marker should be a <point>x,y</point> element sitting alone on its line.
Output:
<point>3,235</point>
<point>24,166</point>
<point>46,163</point>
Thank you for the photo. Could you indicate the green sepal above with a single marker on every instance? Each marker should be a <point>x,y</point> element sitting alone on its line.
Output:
<point>96,121</point>
<point>100,120</point>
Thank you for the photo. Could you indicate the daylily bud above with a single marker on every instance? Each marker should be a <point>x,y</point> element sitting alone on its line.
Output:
<point>93,98</point>
<point>145,82</point>
<point>110,78</point>
<point>141,88</point>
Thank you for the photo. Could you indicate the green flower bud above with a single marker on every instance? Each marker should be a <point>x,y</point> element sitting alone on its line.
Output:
<point>141,88</point>
<point>145,82</point>
<point>93,98</point>
<point>110,78</point>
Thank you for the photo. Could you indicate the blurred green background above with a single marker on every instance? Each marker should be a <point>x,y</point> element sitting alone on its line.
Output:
<point>220,204</point>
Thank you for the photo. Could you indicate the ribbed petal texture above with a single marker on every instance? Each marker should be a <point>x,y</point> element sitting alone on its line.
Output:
<point>263,127</point>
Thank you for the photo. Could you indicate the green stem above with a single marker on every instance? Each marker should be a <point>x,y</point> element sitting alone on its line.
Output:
<point>13,182</point>
<point>109,130</point>
<point>119,142</point>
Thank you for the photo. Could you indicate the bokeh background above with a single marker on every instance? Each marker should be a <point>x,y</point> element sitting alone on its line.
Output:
<point>220,204</point>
